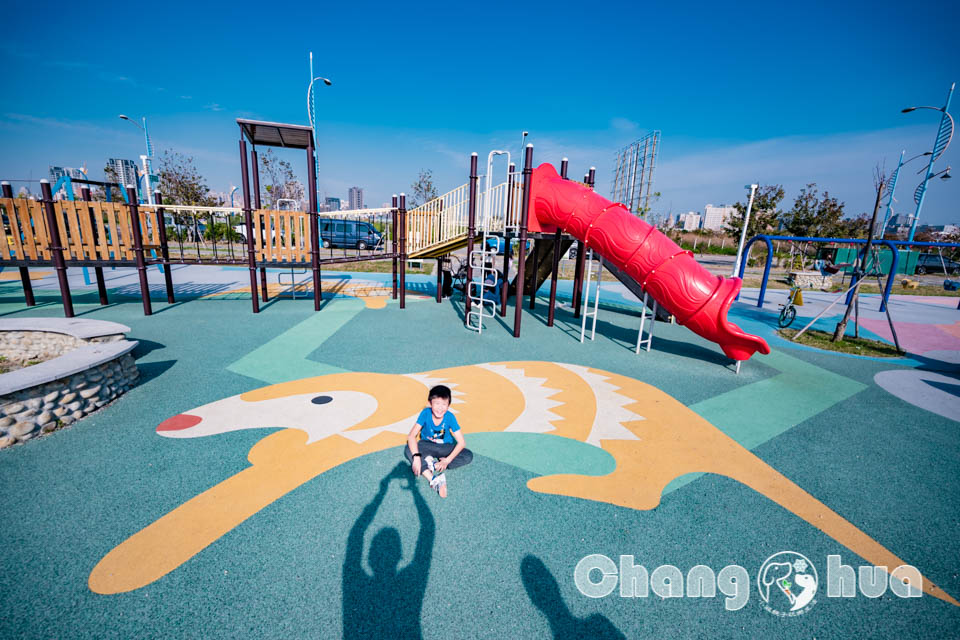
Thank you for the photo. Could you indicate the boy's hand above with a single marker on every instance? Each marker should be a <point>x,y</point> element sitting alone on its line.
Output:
<point>416,466</point>
<point>441,465</point>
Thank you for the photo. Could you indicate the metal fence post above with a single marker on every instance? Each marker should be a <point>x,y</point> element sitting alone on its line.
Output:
<point>402,215</point>
<point>134,212</point>
<point>471,232</point>
<point>522,252</point>
<point>98,271</point>
<point>394,214</point>
<point>24,271</point>
<point>164,247</point>
<point>248,219</point>
<point>56,248</point>
<point>314,222</point>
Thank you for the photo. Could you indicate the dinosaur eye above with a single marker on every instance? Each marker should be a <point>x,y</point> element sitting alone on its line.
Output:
<point>321,400</point>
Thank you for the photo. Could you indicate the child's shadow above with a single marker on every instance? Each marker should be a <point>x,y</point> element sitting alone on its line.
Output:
<point>388,603</point>
<point>544,592</point>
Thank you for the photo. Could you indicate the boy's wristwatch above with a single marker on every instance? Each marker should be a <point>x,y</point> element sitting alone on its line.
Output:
<point>416,455</point>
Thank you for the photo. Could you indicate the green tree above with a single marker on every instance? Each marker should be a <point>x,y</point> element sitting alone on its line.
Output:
<point>853,227</point>
<point>181,182</point>
<point>423,190</point>
<point>278,181</point>
<point>764,214</point>
<point>814,215</point>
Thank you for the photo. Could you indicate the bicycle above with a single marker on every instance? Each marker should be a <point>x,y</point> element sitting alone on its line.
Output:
<point>787,310</point>
<point>459,275</point>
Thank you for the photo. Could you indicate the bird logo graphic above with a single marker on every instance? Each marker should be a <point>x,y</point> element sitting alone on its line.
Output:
<point>648,436</point>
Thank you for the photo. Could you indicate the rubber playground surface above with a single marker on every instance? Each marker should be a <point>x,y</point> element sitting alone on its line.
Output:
<point>272,502</point>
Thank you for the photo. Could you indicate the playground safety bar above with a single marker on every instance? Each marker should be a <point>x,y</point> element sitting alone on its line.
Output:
<point>890,244</point>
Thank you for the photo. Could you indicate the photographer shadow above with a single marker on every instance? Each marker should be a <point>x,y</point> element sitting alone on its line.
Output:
<point>387,604</point>
<point>544,593</point>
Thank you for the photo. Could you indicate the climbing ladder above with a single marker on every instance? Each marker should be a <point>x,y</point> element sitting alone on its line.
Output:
<point>483,260</point>
<point>646,314</point>
<point>588,273</point>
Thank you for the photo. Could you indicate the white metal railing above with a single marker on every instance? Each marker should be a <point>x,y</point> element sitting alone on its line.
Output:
<point>438,221</point>
<point>355,213</point>
<point>447,217</point>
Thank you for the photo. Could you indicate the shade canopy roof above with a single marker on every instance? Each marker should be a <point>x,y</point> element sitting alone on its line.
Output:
<point>274,134</point>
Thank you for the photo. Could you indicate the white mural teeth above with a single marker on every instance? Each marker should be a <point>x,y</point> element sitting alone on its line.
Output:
<point>611,407</point>
<point>537,414</point>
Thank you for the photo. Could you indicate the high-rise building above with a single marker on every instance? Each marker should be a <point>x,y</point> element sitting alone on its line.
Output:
<point>331,204</point>
<point>59,172</point>
<point>355,195</point>
<point>715,217</point>
<point>125,171</point>
<point>689,221</point>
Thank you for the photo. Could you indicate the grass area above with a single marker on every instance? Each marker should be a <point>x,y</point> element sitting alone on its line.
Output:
<point>378,266</point>
<point>857,346</point>
<point>922,290</point>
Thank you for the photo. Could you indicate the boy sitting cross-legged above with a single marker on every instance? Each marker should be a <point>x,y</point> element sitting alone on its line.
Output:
<point>441,445</point>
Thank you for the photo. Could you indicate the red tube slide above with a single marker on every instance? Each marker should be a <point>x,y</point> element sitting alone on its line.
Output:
<point>698,299</point>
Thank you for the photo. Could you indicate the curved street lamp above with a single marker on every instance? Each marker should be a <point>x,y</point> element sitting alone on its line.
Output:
<point>940,144</point>
<point>148,167</point>
<point>882,229</point>
<point>311,114</point>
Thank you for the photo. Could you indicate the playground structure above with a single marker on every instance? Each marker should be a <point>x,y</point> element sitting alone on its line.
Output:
<point>542,205</point>
<point>892,245</point>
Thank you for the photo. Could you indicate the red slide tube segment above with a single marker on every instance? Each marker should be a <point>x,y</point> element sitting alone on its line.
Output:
<point>697,298</point>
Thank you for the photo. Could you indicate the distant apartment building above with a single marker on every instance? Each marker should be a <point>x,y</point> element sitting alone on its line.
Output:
<point>59,172</point>
<point>941,230</point>
<point>355,196</point>
<point>689,221</point>
<point>124,170</point>
<point>331,204</point>
<point>715,216</point>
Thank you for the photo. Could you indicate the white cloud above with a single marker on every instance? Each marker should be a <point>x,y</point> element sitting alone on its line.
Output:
<point>841,164</point>
<point>213,107</point>
<point>623,124</point>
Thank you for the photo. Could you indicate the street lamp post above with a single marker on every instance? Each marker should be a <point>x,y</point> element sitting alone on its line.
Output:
<point>147,165</point>
<point>312,114</point>
<point>940,144</point>
<point>743,233</point>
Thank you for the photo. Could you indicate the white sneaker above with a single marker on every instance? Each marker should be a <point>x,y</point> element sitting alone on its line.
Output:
<point>438,481</point>
<point>431,464</point>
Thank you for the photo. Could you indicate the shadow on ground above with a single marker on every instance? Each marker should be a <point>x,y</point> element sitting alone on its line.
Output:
<point>387,604</point>
<point>544,593</point>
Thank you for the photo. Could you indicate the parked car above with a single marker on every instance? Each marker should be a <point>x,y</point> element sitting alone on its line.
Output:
<point>930,263</point>
<point>335,232</point>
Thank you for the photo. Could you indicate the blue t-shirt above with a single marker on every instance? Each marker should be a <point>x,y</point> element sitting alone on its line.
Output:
<point>442,433</point>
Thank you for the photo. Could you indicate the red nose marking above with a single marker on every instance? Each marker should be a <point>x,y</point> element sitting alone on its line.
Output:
<point>178,422</point>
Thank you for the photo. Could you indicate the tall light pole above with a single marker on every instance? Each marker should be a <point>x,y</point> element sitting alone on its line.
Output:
<point>312,114</point>
<point>940,144</point>
<point>743,233</point>
<point>147,166</point>
<point>893,186</point>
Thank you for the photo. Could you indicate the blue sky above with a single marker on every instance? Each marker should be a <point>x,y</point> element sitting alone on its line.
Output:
<point>803,92</point>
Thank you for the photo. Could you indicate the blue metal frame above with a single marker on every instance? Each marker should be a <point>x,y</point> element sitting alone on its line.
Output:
<point>890,244</point>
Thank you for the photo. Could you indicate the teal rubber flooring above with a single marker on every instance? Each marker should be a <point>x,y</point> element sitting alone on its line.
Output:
<point>361,551</point>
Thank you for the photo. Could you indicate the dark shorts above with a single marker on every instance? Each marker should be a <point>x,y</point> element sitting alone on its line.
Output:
<point>428,448</point>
